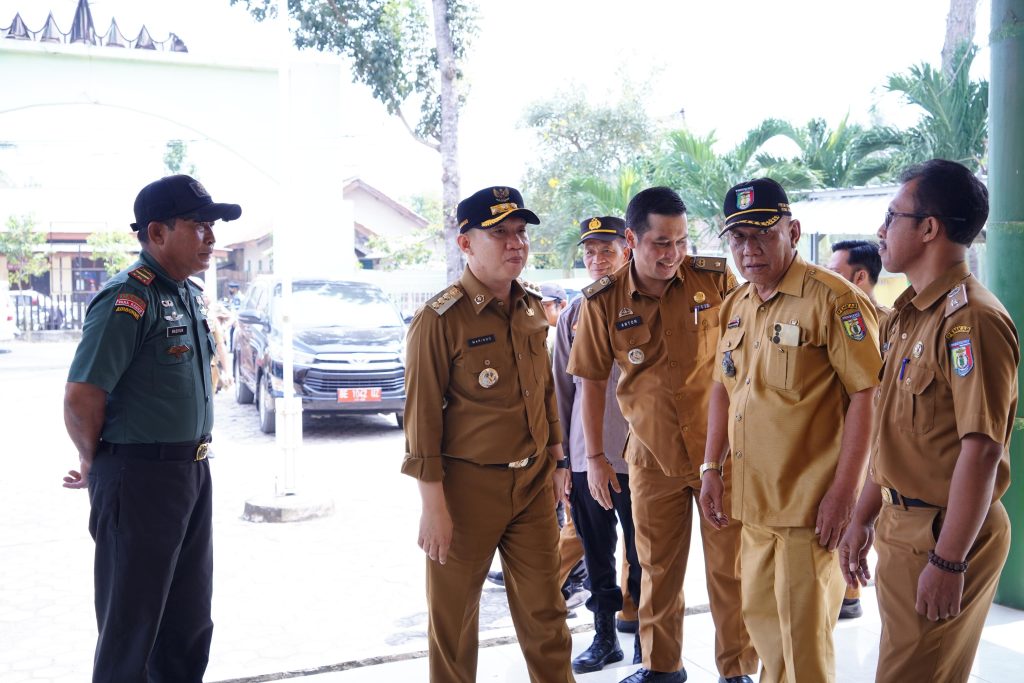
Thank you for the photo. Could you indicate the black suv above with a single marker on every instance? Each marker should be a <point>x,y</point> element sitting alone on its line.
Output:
<point>349,348</point>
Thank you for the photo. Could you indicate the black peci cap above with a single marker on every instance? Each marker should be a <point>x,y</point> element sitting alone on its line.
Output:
<point>759,203</point>
<point>490,206</point>
<point>605,228</point>
<point>179,195</point>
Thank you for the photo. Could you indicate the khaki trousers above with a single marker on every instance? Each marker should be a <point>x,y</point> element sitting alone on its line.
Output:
<point>511,511</point>
<point>792,592</point>
<point>570,548</point>
<point>913,648</point>
<point>663,518</point>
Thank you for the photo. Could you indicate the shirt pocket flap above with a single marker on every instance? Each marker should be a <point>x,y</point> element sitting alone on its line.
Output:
<point>632,337</point>
<point>730,340</point>
<point>916,379</point>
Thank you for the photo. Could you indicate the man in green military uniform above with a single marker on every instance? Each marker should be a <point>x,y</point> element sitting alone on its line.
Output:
<point>138,408</point>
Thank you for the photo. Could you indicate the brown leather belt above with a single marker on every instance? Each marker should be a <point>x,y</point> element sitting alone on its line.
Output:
<point>893,497</point>
<point>189,450</point>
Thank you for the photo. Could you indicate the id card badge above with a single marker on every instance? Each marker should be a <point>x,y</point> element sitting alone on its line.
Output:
<point>785,334</point>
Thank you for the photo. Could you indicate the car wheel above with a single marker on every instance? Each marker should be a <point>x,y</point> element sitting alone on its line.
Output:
<point>243,394</point>
<point>268,421</point>
<point>400,419</point>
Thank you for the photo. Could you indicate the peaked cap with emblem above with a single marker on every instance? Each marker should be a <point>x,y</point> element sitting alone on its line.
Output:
<point>176,196</point>
<point>758,203</point>
<point>605,228</point>
<point>490,206</point>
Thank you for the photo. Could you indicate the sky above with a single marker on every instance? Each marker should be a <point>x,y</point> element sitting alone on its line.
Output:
<point>721,66</point>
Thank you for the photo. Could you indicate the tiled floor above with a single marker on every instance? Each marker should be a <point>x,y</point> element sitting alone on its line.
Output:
<point>1000,657</point>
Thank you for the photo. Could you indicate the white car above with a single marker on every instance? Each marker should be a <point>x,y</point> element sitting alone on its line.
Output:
<point>33,309</point>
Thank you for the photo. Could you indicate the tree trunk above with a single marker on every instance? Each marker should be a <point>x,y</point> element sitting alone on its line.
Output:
<point>960,23</point>
<point>449,138</point>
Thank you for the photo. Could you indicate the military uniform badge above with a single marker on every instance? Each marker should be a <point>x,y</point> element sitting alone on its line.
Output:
<point>961,355</point>
<point>142,274</point>
<point>129,303</point>
<point>853,324</point>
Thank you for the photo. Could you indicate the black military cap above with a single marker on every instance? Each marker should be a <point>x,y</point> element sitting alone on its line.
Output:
<point>490,206</point>
<point>605,228</point>
<point>179,195</point>
<point>758,203</point>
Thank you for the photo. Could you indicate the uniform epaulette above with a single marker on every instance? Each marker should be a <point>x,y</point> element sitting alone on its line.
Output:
<point>598,286</point>
<point>715,264</point>
<point>531,287</point>
<point>197,283</point>
<point>444,300</point>
<point>835,283</point>
<point>956,299</point>
<point>143,274</point>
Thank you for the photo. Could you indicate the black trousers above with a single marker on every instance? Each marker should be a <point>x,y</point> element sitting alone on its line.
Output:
<point>596,528</point>
<point>151,521</point>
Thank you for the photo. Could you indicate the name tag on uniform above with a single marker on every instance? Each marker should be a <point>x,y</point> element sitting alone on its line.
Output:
<point>177,330</point>
<point>629,322</point>
<point>480,341</point>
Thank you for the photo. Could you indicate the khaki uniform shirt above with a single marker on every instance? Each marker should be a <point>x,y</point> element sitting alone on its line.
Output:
<point>147,343</point>
<point>951,355</point>
<point>665,350</point>
<point>790,365</point>
<point>478,380</point>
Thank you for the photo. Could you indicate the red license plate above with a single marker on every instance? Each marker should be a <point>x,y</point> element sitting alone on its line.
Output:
<point>362,395</point>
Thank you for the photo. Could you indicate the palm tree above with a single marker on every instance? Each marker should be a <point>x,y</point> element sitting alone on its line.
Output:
<point>692,166</point>
<point>848,156</point>
<point>954,124</point>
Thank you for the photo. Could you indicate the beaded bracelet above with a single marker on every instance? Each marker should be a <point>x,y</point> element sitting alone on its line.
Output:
<point>946,565</point>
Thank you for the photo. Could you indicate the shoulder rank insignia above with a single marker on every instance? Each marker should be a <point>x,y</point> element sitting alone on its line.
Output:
<point>143,274</point>
<point>530,287</point>
<point>956,299</point>
<point>598,286</point>
<point>715,264</point>
<point>444,300</point>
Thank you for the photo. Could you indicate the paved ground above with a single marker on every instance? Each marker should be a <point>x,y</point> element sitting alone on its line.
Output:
<point>311,597</point>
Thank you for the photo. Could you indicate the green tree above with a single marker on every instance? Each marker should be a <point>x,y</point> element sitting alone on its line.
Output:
<point>116,249</point>
<point>954,121</point>
<point>22,244</point>
<point>419,247</point>
<point>389,47</point>
<point>174,158</point>
<point>690,164</point>
<point>582,148</point>
<point>848,156</point>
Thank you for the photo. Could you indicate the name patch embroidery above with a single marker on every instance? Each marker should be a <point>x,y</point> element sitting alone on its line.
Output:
<point>177,330</point>
<point>480,341</point>
<point>959,329</point>
<point>629,322</point>
<point>130,304</point>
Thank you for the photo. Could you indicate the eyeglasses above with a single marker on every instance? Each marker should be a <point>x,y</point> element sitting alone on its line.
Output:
<point>761,238</point>
<point>890,215</point>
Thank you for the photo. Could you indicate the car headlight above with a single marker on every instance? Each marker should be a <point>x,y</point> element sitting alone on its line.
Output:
<point>298,357</point>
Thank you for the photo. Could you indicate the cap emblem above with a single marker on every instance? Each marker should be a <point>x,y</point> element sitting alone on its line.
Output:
<point>744,198</point>
<point>501,194</point>
<point>594,224</point>
<point>198,188</point>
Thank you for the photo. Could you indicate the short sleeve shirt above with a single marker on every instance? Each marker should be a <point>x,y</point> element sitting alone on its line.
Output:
<point>569,391</point>
<point>789,365</point>
<point>664,348</point>
<point>478,380</point>
<point>951,356</point>
<point>147,343</point>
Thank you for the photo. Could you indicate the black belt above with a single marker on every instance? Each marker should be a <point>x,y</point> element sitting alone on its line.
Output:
<point>189,450</point>
<point>517,465</point>
<point>893,497</point>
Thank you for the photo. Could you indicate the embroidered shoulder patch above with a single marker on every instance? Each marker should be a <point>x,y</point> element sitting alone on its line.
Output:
<point>142,274</point>
<point>961,355</point>
<point>853,324</point>
<point>130,304</point>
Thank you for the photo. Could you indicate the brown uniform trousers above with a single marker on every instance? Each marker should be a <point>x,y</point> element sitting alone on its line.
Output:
<point>511,510</point>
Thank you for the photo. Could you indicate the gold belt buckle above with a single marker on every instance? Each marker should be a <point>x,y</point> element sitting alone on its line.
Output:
<point>887,495</point>
<point>519,464</point>
<point>201,451</point>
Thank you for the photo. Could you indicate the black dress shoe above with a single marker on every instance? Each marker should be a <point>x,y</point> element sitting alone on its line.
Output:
<point>735,679</point>
<point>497,578</point>
<point>851,608</point>
<point>648,676</point>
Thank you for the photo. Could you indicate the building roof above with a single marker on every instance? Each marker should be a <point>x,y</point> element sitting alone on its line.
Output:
<point>854,211</point>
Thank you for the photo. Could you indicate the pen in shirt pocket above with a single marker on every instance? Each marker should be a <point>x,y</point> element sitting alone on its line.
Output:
<point>903,367</point>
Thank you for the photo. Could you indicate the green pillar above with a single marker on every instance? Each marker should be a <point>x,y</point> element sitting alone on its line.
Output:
<point>1006,241</point>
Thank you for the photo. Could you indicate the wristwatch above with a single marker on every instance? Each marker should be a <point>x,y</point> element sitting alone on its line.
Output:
<point>562,464</point>
<point>710,466</point>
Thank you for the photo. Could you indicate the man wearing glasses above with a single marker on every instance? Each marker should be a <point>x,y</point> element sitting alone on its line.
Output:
<point>138,407</point>
<point>940,452</point>
<point>796,363</point>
